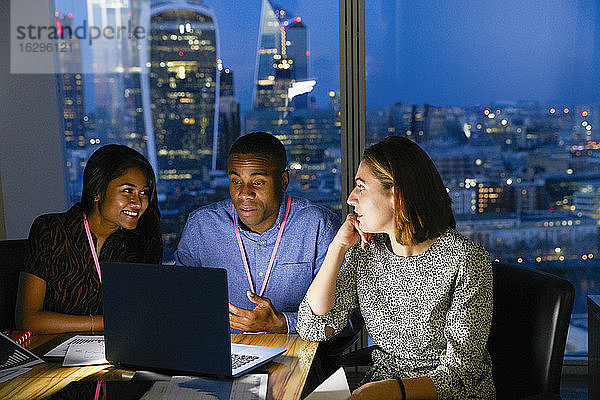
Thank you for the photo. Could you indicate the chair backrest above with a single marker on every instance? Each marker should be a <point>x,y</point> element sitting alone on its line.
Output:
<point>12,260</point>
<point>529,328</point>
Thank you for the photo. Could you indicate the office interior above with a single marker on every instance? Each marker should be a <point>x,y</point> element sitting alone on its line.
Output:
<point>32,177</point>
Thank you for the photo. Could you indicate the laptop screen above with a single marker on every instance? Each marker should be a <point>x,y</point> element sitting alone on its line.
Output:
<point>167,317</point>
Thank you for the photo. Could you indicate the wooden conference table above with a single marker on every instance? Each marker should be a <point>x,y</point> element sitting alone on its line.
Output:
<point>287,372</point>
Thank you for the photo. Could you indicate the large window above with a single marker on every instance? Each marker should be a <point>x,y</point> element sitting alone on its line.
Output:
<point>505,99</point>
<point>204,73</point>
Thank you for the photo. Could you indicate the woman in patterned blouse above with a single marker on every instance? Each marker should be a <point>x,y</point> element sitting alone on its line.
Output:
<point>117,220</point>
<point>424,290</point>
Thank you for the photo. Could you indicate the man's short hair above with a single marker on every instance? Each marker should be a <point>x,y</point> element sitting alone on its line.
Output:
<point>261,143</point>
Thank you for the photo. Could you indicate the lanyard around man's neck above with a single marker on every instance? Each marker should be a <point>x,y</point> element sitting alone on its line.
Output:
<point>243,252</point>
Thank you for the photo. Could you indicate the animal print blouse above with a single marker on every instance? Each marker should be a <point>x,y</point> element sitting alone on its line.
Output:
<point>60,254</point>
<point>430,314</point>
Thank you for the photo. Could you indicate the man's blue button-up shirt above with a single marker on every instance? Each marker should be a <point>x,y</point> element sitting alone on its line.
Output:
<point>208,240</point>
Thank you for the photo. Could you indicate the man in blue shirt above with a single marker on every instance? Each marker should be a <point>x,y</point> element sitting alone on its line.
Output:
<point>271,244</point>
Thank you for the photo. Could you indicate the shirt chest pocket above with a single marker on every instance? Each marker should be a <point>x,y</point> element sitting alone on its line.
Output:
<point>288,284</point>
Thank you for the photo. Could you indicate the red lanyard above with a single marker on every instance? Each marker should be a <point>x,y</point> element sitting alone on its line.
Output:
<point>92,247</point>
<point>245,259</point>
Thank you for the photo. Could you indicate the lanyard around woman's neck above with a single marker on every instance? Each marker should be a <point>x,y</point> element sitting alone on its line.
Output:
<point>92,246</point>
<point>245,259</point>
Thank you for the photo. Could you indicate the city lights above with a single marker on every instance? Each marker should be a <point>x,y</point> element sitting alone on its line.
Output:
<point>522,174</point>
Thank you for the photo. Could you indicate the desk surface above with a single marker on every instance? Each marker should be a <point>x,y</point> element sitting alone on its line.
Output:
<point>287,372</point>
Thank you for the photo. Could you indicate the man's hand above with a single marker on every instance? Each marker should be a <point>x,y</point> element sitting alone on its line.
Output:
<point>263,318</point>
<point>386,389</point>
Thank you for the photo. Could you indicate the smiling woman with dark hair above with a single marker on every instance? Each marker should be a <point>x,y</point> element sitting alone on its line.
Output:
<point>117,220</point>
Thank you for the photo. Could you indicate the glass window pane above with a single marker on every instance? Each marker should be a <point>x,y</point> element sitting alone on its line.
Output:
<point>505,99</point>
<point>191,79</point>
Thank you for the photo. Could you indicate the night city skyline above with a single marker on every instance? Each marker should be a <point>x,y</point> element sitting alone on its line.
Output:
<point>504,99</point>
<point>424,54</point>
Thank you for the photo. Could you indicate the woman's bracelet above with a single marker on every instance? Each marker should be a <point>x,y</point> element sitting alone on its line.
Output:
<point>91,324</point>
<point>401,384</point>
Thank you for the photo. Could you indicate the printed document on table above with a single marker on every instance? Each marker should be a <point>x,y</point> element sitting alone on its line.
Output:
<point>250,387</point>
<point>247,387</point>
<point>157,391</point>
<point>14,356</point>
<point>89,353</point>
<point>61,349</point>
<point>333,388</point>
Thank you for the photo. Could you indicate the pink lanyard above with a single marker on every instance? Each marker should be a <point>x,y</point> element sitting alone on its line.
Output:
<point>92,247</point>
<point>245,259</point>
<point>98,385</point>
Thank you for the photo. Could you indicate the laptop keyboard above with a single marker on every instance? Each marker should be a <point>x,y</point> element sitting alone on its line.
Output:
<point>239,360</point>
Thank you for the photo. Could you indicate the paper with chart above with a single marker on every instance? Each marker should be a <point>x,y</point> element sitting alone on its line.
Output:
<point>14,356</point>
<point>246,387</point>
<point>250,387</point>
<point>61,349</point>
<point>87,353</point>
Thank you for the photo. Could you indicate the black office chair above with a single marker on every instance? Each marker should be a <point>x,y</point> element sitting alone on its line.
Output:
<point>12,260</point>
<point>528,334</point>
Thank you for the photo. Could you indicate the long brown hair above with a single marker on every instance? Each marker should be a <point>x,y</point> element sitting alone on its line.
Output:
<point>422,206</point>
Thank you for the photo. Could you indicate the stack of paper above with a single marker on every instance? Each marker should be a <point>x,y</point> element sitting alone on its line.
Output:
<point>80,351</point>
<point>246,387</point>
<point>15,360</point>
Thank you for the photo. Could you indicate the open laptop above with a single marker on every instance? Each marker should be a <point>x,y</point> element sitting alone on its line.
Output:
<point>173,318</point>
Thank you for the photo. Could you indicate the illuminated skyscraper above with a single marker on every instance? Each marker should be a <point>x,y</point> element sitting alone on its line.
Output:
<point>229,117</point>
<point>282,59</point>
<point>115,96</point>
<point>98,85</point>
<point>69,86</point>
<point>183,86</point>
